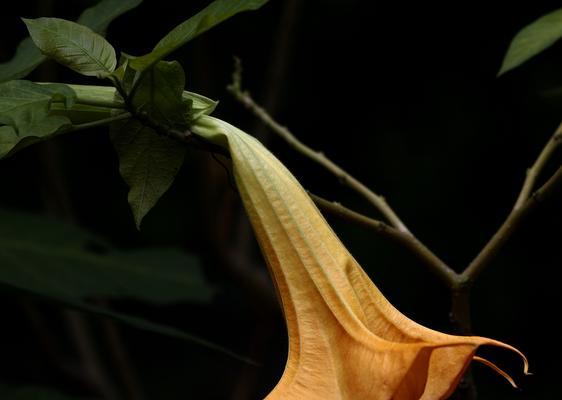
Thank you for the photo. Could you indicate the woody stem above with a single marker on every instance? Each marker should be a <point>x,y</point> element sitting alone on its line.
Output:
<point>461,321</point>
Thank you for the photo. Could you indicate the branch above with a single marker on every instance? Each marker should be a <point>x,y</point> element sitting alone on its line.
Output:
<point>535,170</point>
<point>436,265</point>
<point>100,122</point>
<point>512,222</point>
<point>235,88</point>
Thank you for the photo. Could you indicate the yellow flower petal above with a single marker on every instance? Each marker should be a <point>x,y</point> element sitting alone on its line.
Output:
<point>346,341</point>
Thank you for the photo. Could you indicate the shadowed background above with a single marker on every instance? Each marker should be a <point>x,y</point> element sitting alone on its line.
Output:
<point>405,97</point>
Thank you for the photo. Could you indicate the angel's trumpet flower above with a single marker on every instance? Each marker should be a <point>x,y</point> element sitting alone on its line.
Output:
<point>346,341</point>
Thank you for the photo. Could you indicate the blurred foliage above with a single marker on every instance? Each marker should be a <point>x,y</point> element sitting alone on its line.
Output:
<point>50,258</point>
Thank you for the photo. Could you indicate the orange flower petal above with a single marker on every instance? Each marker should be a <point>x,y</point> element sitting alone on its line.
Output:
<point>346,341</point>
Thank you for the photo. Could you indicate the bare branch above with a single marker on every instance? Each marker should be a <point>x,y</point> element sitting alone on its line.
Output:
<point>512,222</point>
<point>435,264</point>
<point>535,170</point>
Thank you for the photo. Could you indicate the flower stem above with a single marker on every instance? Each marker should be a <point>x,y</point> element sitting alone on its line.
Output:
<point>100,122</point>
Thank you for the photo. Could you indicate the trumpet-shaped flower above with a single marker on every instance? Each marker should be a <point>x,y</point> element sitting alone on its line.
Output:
<point>346,341</point>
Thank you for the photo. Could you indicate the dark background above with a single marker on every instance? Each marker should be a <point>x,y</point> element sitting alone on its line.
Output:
<point>404,96</point>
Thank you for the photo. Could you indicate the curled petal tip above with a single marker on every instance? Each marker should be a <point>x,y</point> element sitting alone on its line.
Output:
<point>496,369</point>
<point>516,351</point>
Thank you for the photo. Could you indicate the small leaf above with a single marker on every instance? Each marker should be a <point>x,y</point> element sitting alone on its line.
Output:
<point>533,39</point>
<point>124,73</point>
<point>213,14</point>
<point>74,46</point>
<point>148,164</point>
<point>200,105</point>
<point>98,17</point>
<point>24,108</point>
<point>159,95</point>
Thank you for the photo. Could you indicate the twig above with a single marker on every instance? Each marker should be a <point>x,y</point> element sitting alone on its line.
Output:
<point>535,170</point>
<point>235,88</point>
<point>436,265</point>
<point>102,103</point>
<point>100,122</point>
<point>489,251</point>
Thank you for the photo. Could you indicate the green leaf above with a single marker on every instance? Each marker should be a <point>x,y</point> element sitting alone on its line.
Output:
<point>213,14</point>
<point>200,105</point>
<point>74,46</point>
<point>124,73</point>
<point>148,164</point>
<point>533,39</point>
<point>159,95</point>
<point>51,258</point>
<point>28,57</point>
<point>24,109</point>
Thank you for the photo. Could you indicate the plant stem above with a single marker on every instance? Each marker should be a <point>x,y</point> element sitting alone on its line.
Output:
<point>100,103</point>
<point>100,122</point>
<point>436,265</point>
<point>460,309</point>
<point>509,226</point>
<point>525,203</point>
<point>97,96</point>
<point>92,102</point>
<point>345,178</point>
<point>461,322</point>
<point>535,170</point>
